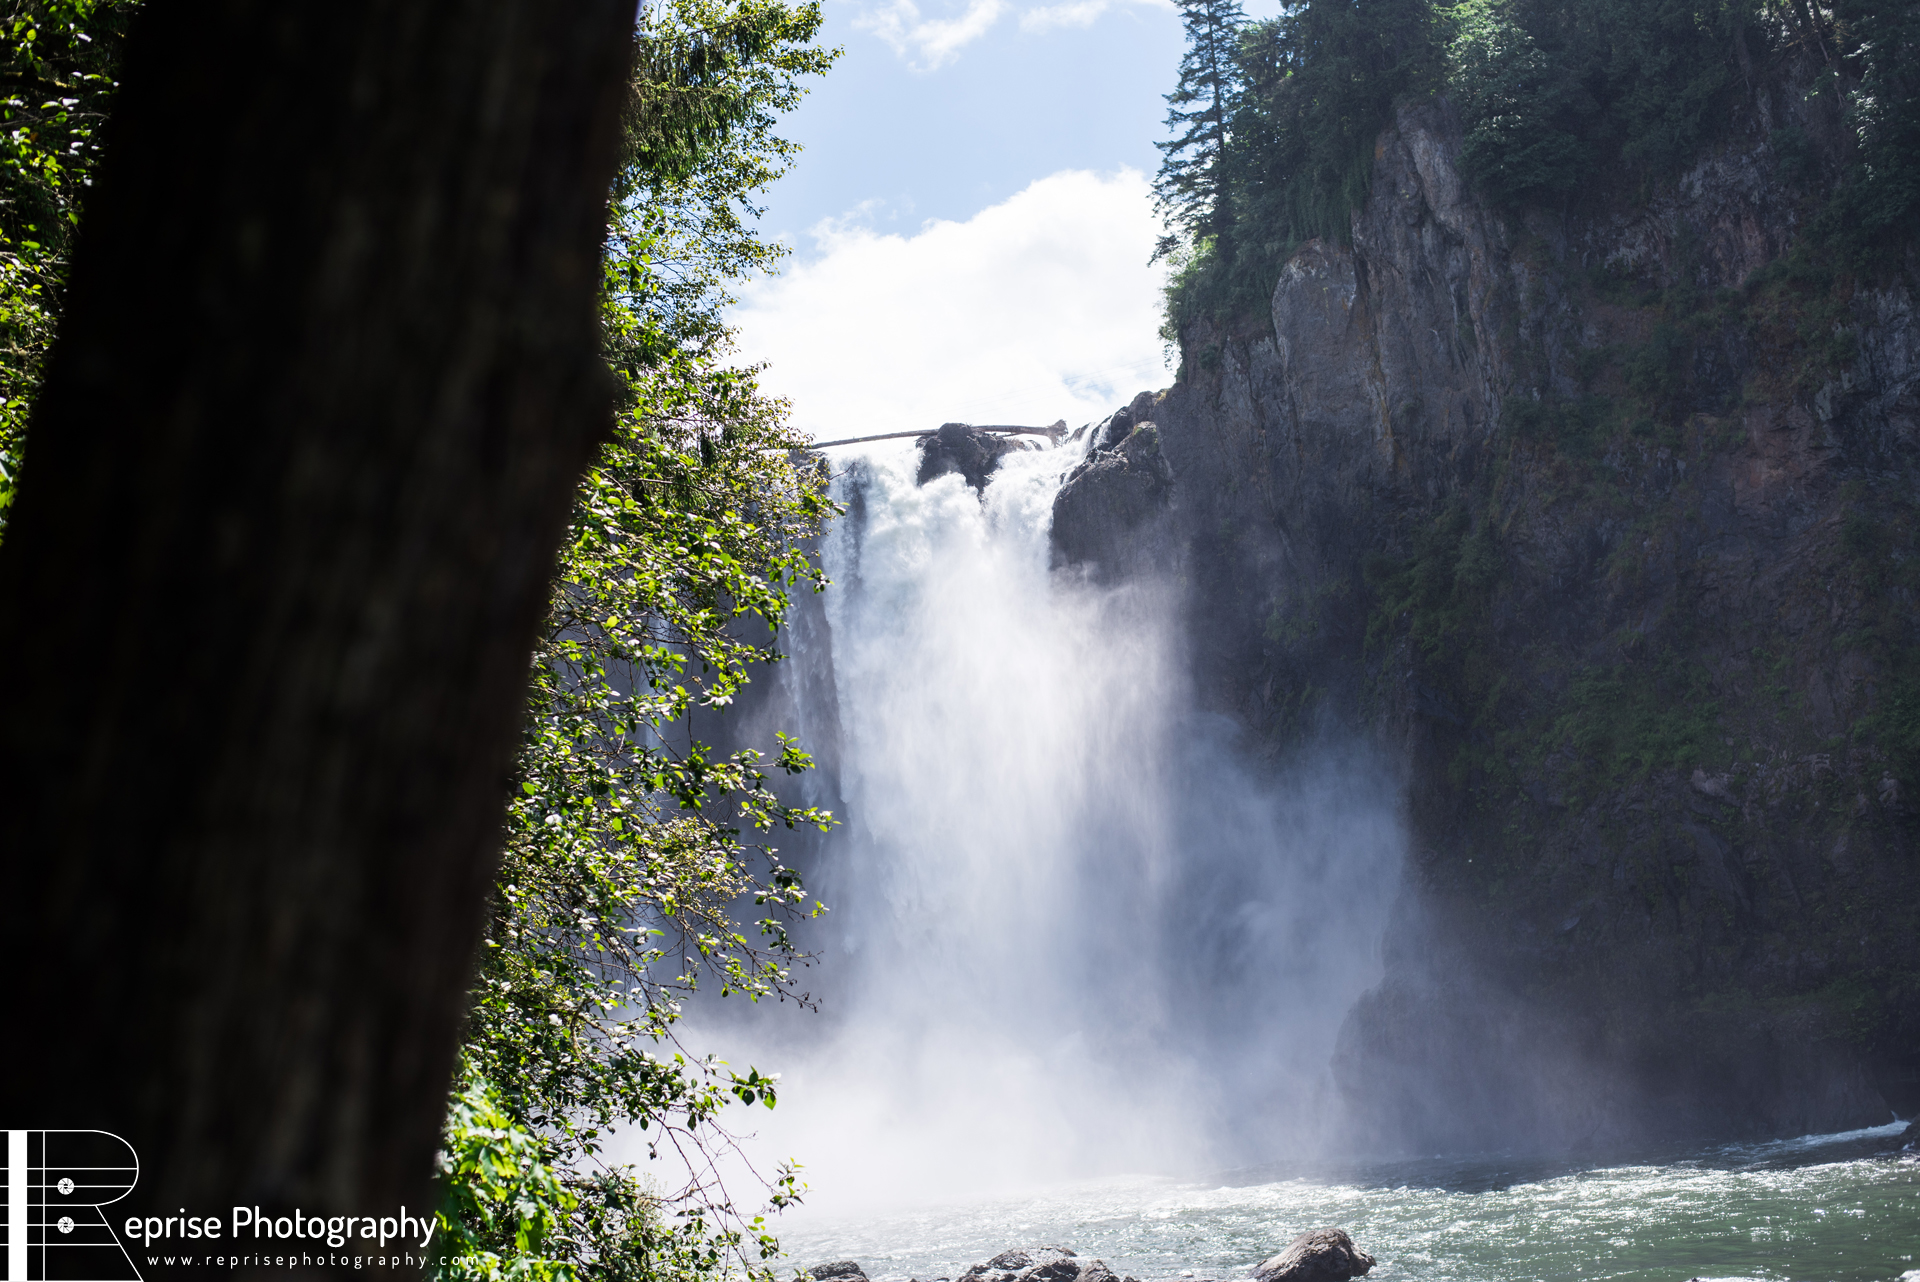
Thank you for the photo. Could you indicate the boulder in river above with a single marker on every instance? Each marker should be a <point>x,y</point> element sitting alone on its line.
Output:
<point>1040,1264</point>
<point>838,1271</point>
<point>1318,1255</point>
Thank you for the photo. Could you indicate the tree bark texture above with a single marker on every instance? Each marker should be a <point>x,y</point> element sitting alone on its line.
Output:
<point>326,383</point>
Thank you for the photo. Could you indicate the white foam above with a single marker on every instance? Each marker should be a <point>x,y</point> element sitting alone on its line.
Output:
<point>1073,933</point>
<point>1803,1143</point>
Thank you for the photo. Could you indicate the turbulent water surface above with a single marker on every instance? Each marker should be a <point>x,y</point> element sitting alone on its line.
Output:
<point>1821,1207</point>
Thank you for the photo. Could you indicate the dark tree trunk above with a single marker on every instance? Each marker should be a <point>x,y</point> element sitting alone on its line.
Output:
<point>325,385</point>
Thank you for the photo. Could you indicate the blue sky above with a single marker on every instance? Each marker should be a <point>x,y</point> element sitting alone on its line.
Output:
<point>928,124</point>
<point>970,218</point>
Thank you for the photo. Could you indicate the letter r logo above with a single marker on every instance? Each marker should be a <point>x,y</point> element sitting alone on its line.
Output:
<point>57,1181</point>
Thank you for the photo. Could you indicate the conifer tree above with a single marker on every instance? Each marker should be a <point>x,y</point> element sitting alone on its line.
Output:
<point>1320,81</point>
<point>1190,191</point>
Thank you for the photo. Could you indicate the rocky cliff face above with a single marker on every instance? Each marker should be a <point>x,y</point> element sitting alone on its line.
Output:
<point>967,450</point>
<point>1112,508</point>
<point>1608,518</point>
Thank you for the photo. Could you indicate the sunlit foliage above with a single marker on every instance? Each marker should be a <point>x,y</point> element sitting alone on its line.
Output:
<point>640,862</point>
<point>56,84</point>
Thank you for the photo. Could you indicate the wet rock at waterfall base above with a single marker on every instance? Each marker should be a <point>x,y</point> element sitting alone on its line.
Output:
<point>1041,1264</point>
<point>837,1271</point>
<point>1318,1255</point>
<point>970,451</point>
<point>1103,510</point>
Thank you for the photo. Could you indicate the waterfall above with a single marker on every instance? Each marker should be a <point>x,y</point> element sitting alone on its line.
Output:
<point>1076,926</point>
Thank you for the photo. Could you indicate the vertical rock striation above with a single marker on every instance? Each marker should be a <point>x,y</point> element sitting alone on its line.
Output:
<point>1607,517</point>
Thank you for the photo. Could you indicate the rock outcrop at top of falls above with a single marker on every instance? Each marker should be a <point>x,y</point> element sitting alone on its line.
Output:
<point>1582,514</point>
<point>960,447</point>
<point>1318,1255</point>
<point>1105,511</point>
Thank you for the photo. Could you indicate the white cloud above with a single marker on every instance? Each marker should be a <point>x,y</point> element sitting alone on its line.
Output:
<point>1078,13</point>
<point>1038,308</point>
<point>929,42</point>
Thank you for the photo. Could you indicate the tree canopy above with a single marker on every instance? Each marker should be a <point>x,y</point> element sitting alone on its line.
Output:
<point>1558,101</point>
<point>1190,191</point>
<point>631,848</point>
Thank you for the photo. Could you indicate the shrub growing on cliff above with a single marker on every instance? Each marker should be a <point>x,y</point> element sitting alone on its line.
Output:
<point>1627,720</point>
<point>1878,43</point>
<point>1437,591</point>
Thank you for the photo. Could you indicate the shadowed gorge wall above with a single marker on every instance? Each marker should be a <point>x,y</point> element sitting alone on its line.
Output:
<point>1604,518</point>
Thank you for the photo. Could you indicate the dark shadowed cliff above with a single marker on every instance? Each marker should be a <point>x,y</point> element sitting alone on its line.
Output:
<point>1605,516</point>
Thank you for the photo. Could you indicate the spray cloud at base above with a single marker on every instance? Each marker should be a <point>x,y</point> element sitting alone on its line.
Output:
<point>1077,927</point>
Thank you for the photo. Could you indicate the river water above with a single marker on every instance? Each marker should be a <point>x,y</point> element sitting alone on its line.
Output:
<point>1828,1207</point>
<point>1080,930</point>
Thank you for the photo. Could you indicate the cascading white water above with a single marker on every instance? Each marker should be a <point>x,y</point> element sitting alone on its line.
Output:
<point>1075,928</point>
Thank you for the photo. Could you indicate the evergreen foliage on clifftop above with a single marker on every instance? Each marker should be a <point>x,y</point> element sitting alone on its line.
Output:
<point>1562,105</point>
